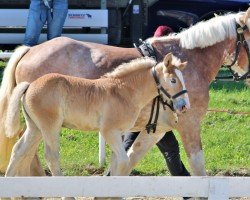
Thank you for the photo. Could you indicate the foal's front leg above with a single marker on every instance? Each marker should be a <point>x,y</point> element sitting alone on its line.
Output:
<point>143,143</point>
<point>51,150</point>
<point>119,160</point>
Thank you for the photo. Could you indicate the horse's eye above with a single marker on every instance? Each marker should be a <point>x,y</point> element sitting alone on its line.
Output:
<point>173,80</point>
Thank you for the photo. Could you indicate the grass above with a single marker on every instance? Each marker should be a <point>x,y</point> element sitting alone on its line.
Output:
<point>2,65</point>
<point>225,139</point>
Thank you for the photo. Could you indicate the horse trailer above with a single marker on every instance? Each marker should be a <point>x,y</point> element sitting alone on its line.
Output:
<point>115,22</point>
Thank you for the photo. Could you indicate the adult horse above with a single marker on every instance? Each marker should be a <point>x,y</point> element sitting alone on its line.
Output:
<point>56,100</point>
<point>205,46</point>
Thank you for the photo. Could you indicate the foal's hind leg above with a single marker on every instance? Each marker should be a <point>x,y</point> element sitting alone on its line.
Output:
<point>24,151</point>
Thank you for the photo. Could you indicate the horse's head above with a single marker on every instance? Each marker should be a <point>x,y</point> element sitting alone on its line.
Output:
<point>242,54</point>
<point>172,81</point>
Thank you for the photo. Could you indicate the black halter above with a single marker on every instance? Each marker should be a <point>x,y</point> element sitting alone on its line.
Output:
<point>159,99</point>
<point>239,41</point>
<point>160,89</point>
<point>146,49</point>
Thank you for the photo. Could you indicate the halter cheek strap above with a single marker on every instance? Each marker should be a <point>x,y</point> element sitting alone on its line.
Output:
<point>159,99</point>
<point>161,89</point>
<point>240,41</point>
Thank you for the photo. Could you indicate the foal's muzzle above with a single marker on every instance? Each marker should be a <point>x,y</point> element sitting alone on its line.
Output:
<point>180,105</point>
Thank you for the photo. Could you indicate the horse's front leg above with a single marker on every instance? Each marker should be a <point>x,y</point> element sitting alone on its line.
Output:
<point>143,143</point>
<point>190,136</point>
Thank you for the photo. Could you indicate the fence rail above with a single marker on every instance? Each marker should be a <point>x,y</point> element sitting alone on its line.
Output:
<point>215,188</point>
<point>12,21</point>
<point>5,55</point>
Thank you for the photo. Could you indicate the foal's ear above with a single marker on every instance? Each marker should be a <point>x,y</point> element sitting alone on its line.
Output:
<point>168,59</point>
<point>182,65</point>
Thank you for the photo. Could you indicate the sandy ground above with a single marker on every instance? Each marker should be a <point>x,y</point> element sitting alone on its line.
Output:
<point>130,198</point>
<point>162,198</point>
<point>146,198</point>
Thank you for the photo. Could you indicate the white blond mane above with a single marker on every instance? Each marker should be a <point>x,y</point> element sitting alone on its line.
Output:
<point>206,33</point>
<point>132,66</point>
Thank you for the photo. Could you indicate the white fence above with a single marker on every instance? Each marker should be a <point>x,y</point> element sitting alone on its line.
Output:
<point>215,188</point>
<point>5,55</point>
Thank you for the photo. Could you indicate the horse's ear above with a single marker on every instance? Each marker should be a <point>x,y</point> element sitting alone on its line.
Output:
<point>216,15</point>
<point>245,17</point>
<point>167,59</point>
<point>182,65</point>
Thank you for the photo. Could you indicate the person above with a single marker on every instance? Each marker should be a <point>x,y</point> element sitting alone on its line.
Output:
<point>168,145</point>
<point>163,30</point>
<point>53,12</point>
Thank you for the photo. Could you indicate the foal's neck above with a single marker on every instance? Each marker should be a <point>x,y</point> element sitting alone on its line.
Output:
<point>141,86</point>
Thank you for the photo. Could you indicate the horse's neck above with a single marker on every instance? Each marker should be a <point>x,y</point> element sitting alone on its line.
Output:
<point>207,61</point>
<point>140,86</point>
<point>210,59</point>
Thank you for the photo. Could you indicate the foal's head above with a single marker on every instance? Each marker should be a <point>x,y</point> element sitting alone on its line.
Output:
<point>172,81</point>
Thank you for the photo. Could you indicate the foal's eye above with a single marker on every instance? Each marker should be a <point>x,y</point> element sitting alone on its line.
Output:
<point>173,80</point>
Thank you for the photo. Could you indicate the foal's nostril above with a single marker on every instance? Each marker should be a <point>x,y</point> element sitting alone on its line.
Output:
<point>184,109</point>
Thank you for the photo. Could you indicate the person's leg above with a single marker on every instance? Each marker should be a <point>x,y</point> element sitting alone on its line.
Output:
<point>169,147</point>
<point>35,22</point>
<point>129,139</point>
<point>56,20</point>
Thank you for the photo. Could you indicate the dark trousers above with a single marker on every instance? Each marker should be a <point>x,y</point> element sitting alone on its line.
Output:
<point>169,147</point>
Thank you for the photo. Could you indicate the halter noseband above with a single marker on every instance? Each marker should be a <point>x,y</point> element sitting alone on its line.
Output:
<point>240,41</point>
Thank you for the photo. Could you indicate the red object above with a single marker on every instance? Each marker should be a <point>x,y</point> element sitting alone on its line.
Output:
<point>163,30</point>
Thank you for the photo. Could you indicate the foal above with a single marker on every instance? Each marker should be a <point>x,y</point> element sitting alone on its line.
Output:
<point>110,104</point>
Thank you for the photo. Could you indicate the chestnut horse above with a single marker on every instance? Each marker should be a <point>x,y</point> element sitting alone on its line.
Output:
<point>204,46</point>
<point>56,100</point>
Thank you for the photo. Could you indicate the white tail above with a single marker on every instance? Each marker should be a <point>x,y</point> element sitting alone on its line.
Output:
<point>8,84</point>
<point>12,123</point>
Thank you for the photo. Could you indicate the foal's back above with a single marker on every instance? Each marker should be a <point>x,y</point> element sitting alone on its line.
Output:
<point>72,102</point>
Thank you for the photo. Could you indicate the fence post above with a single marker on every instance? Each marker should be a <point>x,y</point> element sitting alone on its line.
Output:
<point>102,152</point>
